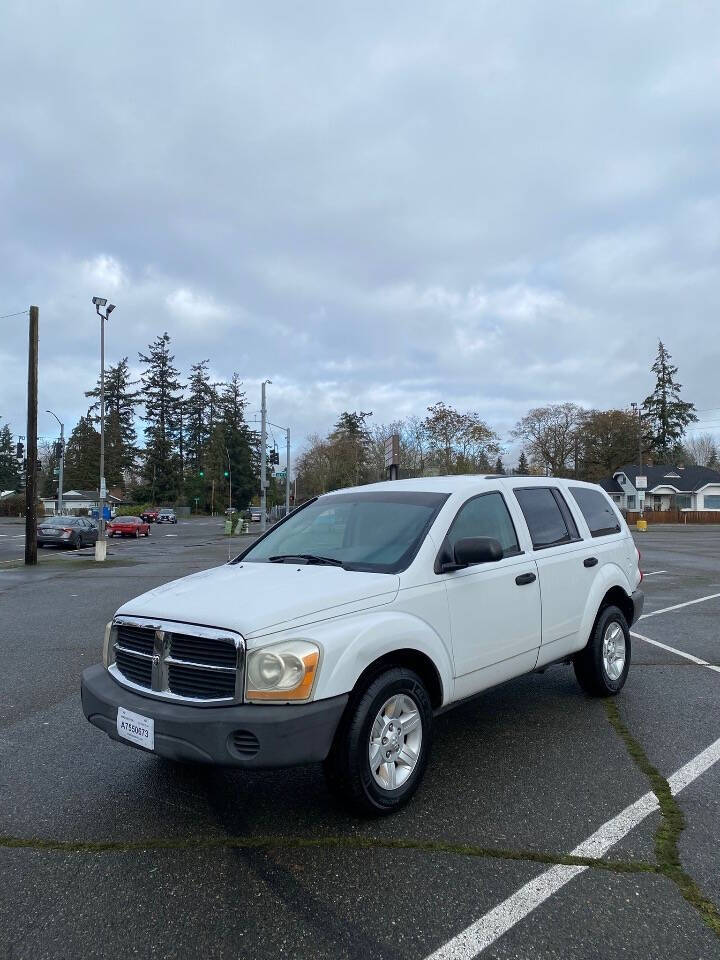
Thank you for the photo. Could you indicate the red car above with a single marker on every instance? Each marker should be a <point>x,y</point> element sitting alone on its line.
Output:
<point>151,515</point>
<point>128,527</point>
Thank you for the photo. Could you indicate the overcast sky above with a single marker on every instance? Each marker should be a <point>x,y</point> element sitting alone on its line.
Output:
<point>375,205</point>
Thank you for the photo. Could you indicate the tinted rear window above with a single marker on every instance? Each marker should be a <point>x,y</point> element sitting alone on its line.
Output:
<point>600,516</point>
<point>544,517</point>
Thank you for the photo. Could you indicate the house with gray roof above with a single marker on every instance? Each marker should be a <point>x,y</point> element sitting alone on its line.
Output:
<point>664,487</point>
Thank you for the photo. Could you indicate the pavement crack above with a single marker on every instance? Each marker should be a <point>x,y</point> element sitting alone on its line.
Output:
<point>672,824</point>
<point>327,842</point>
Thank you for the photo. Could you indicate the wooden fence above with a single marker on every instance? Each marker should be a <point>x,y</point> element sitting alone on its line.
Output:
<point>674,516</point>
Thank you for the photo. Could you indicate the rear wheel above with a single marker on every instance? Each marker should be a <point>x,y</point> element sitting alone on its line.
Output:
<point>602,667</point>
<point>382,746</point>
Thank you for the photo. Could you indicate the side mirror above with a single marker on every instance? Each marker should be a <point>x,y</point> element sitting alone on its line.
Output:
<point>471,550</point>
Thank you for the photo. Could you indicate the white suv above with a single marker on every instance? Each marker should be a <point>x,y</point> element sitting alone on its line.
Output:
<point>337,635</point>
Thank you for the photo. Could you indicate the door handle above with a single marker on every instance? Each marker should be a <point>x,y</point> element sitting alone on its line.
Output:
<point>590,562</point>
<point>524,578</point>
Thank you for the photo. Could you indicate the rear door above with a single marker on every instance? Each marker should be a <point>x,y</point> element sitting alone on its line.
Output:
<point>494,607</point>
<point>560,554</point>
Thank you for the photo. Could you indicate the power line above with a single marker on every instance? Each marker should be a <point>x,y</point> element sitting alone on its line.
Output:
<point>20,313</point>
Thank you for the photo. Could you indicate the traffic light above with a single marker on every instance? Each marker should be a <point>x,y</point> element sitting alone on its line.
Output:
<point>274,457</point>
<point>226,473</point>
<point>19,451</point>
<point>58,450</point>
<point>201,473</point>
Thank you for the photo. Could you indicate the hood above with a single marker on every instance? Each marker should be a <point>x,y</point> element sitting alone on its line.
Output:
<point>259,598</point>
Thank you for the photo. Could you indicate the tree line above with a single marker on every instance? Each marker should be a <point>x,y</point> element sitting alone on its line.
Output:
<point>196,432</point>
<point>559,439</point>
<point>196,438</point>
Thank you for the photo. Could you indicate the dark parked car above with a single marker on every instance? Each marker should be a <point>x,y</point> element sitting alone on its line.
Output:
<point>71,532</point>
<point>166,515</point>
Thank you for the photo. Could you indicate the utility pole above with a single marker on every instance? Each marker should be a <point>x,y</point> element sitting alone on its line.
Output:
<point>263,459</point>
<point>636,408</point>
<point>31,439</point>
<point>212,499</point>
<point>287,474</point>
<point>61,461</point>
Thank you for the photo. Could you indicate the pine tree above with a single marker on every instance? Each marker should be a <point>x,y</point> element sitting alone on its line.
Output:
<point>161,395</point>
<point>121,402</point>
<point>665,414</point>
<point>349,447</point>
<point>522,469</point>
<point>197,415</point>
<point>499,468</point>
<point>9,473</point>
<point>82,456</point>
<point>231,449</point>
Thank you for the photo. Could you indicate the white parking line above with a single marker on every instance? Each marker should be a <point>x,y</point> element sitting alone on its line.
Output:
<point>679,606</point>
<point>502,918</point>
<point>679,653</point>
<point>653,573</point>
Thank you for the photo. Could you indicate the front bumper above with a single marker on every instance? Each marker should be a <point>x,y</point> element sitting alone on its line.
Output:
<point>248,735</point>
<point>638,599</point>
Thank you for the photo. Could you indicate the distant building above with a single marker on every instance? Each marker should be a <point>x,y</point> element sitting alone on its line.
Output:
<point>668,488</point>
<point>77,500</point>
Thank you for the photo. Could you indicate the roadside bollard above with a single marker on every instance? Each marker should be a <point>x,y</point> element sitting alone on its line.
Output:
<point>642,526</point>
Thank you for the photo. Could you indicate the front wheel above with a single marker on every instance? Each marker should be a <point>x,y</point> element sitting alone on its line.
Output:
<point>602,667</point>
<point>383,743</point>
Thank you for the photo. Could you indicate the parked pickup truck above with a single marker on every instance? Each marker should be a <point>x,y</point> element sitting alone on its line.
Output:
<point>339,634</point>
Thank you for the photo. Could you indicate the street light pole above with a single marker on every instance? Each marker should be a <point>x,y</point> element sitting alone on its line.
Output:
<point>101,543</point>
<point>61,464</point>
<point>287,474</point>
<point>263,459</point>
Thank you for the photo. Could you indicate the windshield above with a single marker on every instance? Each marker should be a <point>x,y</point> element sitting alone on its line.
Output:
<point>379,532</point>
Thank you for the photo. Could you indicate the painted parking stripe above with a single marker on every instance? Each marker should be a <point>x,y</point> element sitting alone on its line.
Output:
<point>679,606</point>
<point>485,931</point>
<point>653,573</point>
<point>679,653</point>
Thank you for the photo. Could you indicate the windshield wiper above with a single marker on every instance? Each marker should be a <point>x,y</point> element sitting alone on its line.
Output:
<point>308,557</point>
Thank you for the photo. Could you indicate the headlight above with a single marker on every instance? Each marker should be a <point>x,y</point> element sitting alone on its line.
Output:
<point>283,671</point>
<point>108,652</point>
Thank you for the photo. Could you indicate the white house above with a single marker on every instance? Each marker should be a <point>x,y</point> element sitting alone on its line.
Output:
<point>664,487</point>
<point>76,500</point>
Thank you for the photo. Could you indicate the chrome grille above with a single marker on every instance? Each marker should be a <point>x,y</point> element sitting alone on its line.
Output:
<point>173,661</point>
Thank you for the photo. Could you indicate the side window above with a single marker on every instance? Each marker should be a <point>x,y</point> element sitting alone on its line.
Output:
<point>600,516</point>
<point>548,517</point>
<point>485,516</point>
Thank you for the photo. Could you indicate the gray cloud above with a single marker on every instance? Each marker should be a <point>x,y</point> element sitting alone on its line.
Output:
<point>377,207</point>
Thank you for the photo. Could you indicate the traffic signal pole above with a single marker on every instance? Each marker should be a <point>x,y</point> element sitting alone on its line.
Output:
<point>263,460</point>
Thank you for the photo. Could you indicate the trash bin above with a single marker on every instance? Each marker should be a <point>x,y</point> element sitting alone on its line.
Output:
<point>642,526</point>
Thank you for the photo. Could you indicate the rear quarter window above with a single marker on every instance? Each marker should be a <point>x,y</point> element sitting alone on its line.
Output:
<point>597,510</point>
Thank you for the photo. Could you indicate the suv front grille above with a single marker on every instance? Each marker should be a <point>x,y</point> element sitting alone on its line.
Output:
<point>174,661</point>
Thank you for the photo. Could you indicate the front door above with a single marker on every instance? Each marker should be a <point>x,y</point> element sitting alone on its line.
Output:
<point>494,607</point>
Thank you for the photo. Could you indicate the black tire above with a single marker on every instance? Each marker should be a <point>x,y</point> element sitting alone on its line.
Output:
<point>589,664</point>
<point>77,543</point>
<point>347,768</point>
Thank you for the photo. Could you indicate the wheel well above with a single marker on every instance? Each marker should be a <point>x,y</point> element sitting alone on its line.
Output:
<point>413,660</point>
<point>616,597</point>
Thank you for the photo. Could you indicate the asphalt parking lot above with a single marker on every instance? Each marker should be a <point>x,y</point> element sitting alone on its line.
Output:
<point>549,825</point>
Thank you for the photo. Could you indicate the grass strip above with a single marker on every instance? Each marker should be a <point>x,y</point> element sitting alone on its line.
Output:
<point>672,824</point>
<point>295,843</point>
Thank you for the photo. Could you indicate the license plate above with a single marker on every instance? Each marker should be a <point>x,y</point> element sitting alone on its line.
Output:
<point>136,728</point>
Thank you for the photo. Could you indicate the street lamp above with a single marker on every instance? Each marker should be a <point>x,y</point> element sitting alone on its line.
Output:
<point>263,457</point>
<point>61,461</point>
<point>101,543</point>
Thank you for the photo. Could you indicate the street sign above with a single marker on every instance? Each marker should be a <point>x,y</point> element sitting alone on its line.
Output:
<point>103,489</point>
<point>641,483</point>
<point>392,451</point>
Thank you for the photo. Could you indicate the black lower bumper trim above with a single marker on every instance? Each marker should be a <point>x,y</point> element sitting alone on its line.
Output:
<point>638,599</point>
<point>281,735</point>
